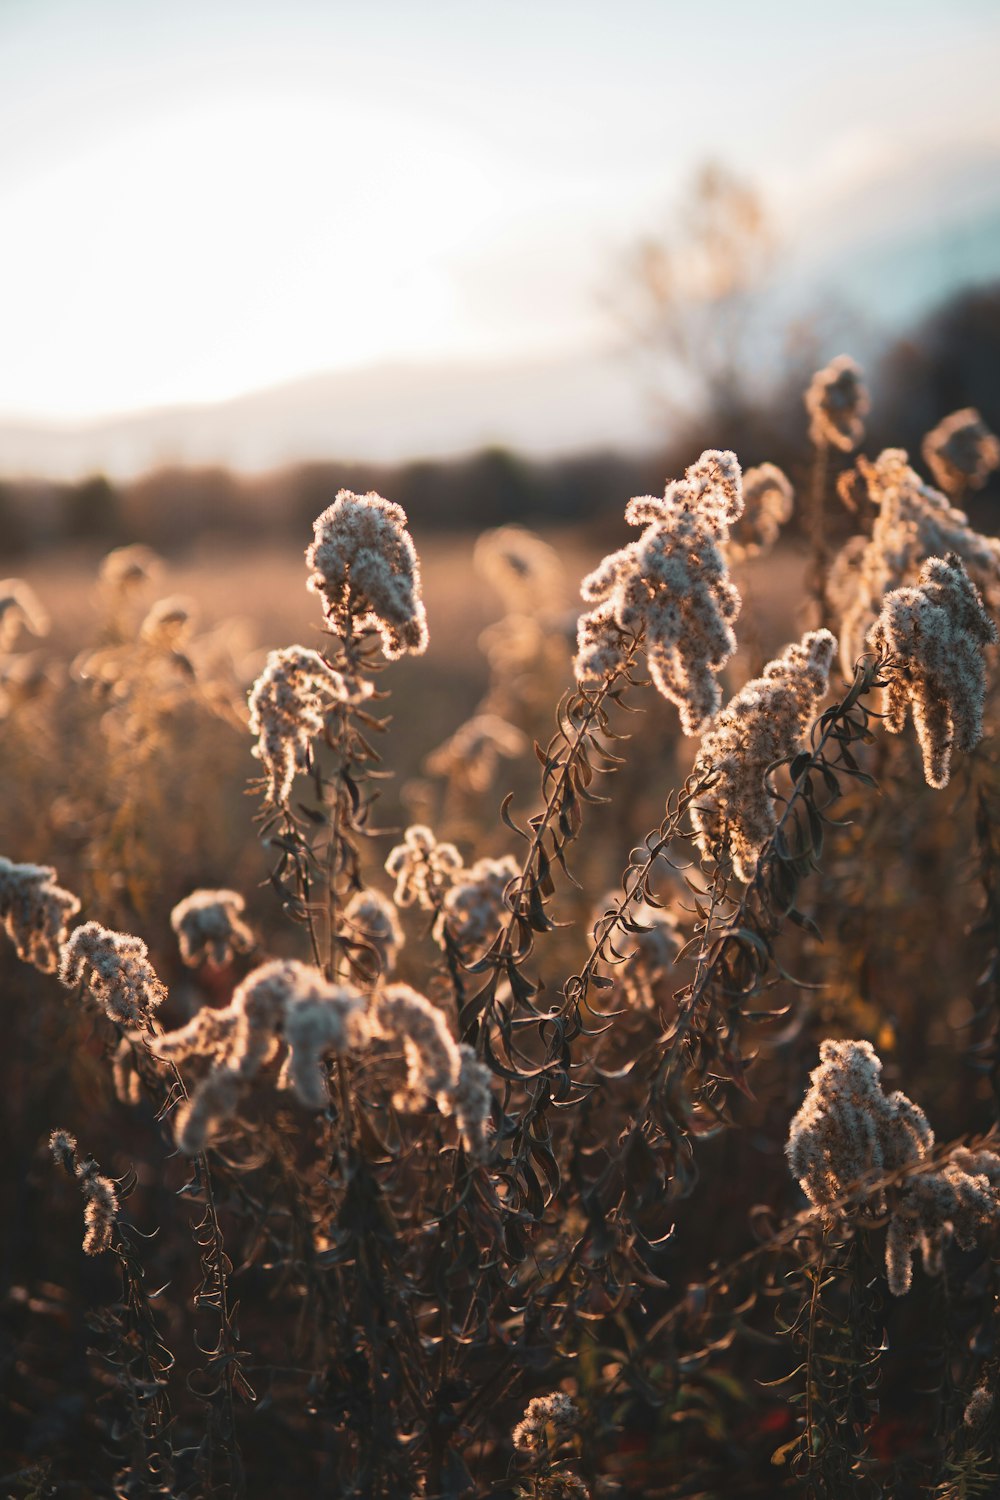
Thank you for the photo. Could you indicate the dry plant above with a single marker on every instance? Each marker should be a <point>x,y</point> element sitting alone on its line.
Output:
<point>473,1183</point>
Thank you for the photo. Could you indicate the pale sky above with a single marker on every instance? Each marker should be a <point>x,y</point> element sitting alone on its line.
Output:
<point>200,199</point>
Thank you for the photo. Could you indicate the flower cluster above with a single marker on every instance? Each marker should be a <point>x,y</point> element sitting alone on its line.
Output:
<point>35,912</point>
<point>474,905</point>
<point>19,609</point>
<point>837,403</point>
<point>283,1000</point>
<point>372,929</point>
<point>547,1422</point>
<point>210,927</point>
<point>99,1196</point>
<point>115,968</point>
<point>913,521</point>
<point>848,1127</point>
<point>935,634</point>
<point>365,567</point>
<point>471,756</point>
<point>961,452</point>
<point>525,571</point>
<point>672,586</point>
<point>763,723</point>
<point>289,703</point>
<point>768,501</point>
<point>422,868</point>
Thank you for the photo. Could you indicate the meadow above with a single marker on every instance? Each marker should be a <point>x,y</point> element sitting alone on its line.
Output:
<point>517,1016</point>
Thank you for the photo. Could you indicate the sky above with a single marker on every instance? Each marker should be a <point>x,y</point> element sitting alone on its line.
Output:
<point>203,199</point>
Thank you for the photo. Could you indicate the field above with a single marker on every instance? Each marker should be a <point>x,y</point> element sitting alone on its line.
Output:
<point>632,1134</point>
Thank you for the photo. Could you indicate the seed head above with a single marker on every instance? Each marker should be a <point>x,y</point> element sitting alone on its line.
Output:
<point>433,1060</point>
<point>768,501</point>
<point>422,868</point>
<point>35,912</point>
<point>366,570</point>
<point>372,927</point>
<point>935,635</point>
<point>474,905</point>
<point>19,610</point>
<point>289,703</point>
<point>837,403</point>
<point>99,1197</point>
<point>961,452</point>
<point>210,927</point>
<point>115,968</point>
<point>471,756</point>
<point>556,1415</point>
<point>763,723</point>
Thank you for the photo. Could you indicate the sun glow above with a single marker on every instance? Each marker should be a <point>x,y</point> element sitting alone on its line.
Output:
<point>233,246</point>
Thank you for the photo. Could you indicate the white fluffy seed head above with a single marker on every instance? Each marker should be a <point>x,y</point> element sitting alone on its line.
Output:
<point>422,868</point>
<point>115,968</point>
<point>961,452</point>
<point>210,927</point>
<point>35,912</point>
<point>837,403</point>
<point>289,704</point>
<point>366,571</point>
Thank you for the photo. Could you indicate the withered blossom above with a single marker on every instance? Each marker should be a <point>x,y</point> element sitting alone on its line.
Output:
<point>288,704</point>
<point>474,905</point>
<point>422,868</point>
<point>837,402</point>
<point>671,586</point>
<point>20,610</point>
<point>371,925</point>
<point>365,569</point>
<point>115,969</point>
<point>210,927</point>
<point>764,722</point>
<point>768,501</point>
<point>99,1196</point>
<point>961,452</point>
<point>547,1422</point>
<point>35,912</point>
<point>935,635</point>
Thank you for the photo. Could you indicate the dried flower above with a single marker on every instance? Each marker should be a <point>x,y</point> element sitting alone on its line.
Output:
<point>100,1199</point>
<point>837,403</point>
<point>365,567</point>
<point>323,1019</point>
<point>125,568</point>
<point>289,703</point>
<point>673,587</point>
<point>547,1422</point>
<point>763,723</point>
<point>471,756</point>
<point>35,912</point>
<point>913,522</point>
<point>848,1127</point>
<point>371,925</point>
<point>979,1408</point>
<point>935,634</point>
<point>210,927</point>
<point>422,868</point>
<point>115,968</point>
<point>168,623</point>
<point>768,500</point>
<point>19,609</point>
<point>124,1071</point>
<point>471,1102</point>
<point>525,571</point>
<point>961,452</point>
<point>474,905</point>
<point>433,1060</point>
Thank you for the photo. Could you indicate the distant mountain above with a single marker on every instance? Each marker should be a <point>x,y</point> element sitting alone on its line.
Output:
<point>382,413</point>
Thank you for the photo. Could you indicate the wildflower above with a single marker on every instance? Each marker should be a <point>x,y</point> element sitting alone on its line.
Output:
<point>555,1415</point>
<point>979,1408</point>
<point>671,586</point>
<point>763,723</point>
<point>35,912</point>
<point>320,1020</point>
<point>961,452</point>
<point>837,403</point>
<point>471,1102</point>
<point>100,1199</point>
<point>472,754</point>
<point>125,568</point>
<point>283,1000</point>
<point>526,572</point>
<point>288,707</point>
<point>372,928</point>
<point>19,609</point>
<point>913,521</point>
<point>768,500</point>
<point>365,567</point>
<point>422,868</point>
<point>848,1127</point>
<point>433,1061</point>
<point>935,634</point>
<point>115,968</point>
<point>210,927</point>
<point>474,905</point>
